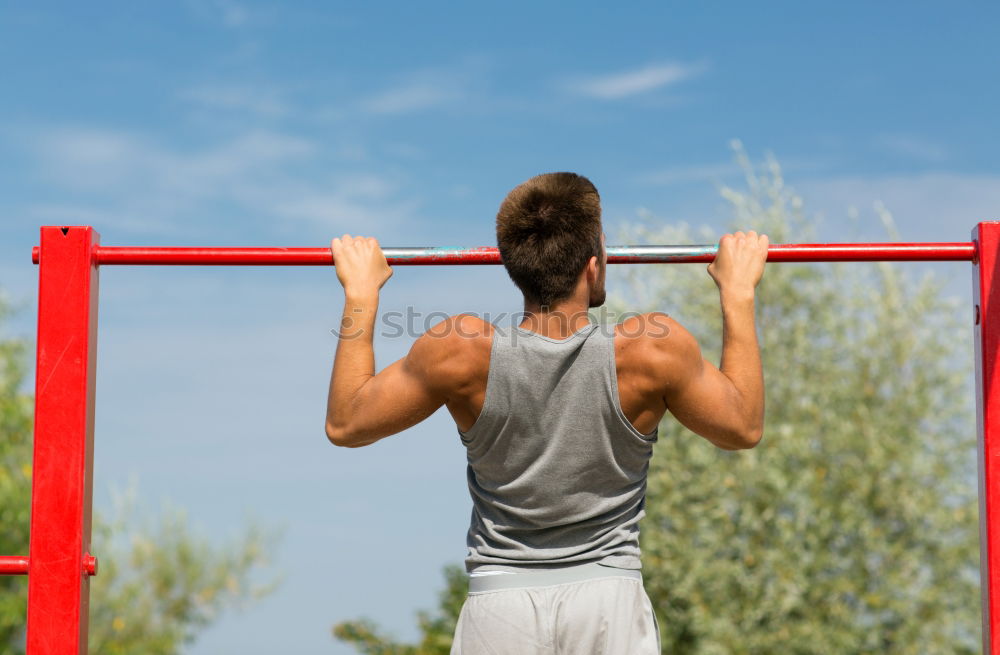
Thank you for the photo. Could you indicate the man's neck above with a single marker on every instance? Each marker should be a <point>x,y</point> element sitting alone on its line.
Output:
<point>558,321</point>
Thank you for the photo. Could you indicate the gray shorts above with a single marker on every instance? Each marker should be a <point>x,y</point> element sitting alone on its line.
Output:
<point>585,610</point>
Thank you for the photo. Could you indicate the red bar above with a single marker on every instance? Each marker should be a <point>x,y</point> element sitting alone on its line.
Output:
<point>795,252</point>
<point>18,565</point>
<point>13,565</point>
<point>986,296</point>
<point>62,473</point>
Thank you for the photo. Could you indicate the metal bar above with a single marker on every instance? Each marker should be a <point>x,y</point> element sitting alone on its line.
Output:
<point>13,565</point>
<point>18,565</point>
<point>62,471</point>
<point>429,256</point>
<point>986,316</point>
<point>69,257</point>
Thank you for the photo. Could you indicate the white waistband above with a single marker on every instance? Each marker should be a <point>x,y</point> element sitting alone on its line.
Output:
<point>483,581</point>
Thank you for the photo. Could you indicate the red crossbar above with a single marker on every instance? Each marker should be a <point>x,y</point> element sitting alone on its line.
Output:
<point>13,565</point>
<point>793,252</point>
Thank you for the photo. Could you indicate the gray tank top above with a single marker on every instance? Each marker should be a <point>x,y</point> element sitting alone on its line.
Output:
<point>556,472</point>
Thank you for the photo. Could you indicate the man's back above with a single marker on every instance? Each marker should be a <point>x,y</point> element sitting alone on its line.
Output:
<point>557,474</point>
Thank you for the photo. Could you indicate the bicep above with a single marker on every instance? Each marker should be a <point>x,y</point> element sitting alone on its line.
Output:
<point>398,397</point>
<point>703,399</point>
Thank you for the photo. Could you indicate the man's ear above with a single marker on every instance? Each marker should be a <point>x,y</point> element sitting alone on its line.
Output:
<point>593,270</point>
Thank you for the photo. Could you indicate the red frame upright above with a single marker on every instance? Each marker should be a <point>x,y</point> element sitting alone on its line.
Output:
<point>62,471</point>
<point>59,564</point>
<point>986,317</point>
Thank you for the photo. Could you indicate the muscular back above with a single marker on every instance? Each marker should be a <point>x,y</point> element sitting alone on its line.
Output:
<point>659,367</point>
<point>642,352</point>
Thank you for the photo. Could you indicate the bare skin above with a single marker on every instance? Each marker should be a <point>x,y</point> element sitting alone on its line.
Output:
<point>660,367</point>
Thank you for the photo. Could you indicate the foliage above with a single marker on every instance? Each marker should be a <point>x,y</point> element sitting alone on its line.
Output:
<point>157,584</point>
<point>436,627</point>
<point>15,480</point>
<point>852,527</point>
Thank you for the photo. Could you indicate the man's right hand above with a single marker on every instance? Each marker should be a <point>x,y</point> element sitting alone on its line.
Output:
<point>361,265</point>
<point>739,263</point>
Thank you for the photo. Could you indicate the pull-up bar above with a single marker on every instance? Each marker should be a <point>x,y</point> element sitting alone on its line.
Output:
<point>793,252</point>
<point>59,563</point>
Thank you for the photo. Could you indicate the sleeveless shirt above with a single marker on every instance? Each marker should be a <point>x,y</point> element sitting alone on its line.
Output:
<point>556,472</point>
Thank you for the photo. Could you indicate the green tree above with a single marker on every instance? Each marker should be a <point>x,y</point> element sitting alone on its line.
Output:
<point>15,481</point>
<point>436,627</point>
<point>158,583</point>
<point>853,526</point>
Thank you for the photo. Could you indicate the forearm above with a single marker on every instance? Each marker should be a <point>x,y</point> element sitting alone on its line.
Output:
<point>354,362</point>
<point>741,359</point>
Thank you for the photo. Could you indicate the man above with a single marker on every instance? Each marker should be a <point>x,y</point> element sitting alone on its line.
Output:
<point>558,416</point>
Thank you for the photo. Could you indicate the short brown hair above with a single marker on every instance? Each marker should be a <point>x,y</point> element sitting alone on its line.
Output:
<point>548,228</point>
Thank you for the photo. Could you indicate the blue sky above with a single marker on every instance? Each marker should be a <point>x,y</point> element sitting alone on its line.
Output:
<point>232,123</point>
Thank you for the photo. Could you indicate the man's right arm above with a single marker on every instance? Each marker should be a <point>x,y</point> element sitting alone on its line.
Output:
<point>726,404</point>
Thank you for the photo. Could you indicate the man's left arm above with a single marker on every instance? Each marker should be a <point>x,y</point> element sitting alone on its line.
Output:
<point>364,407</point>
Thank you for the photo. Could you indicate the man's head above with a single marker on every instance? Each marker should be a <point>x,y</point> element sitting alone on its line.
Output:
<point>549,234</point>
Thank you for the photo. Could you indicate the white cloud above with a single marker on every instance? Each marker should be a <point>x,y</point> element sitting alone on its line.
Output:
<point>937,206</point>
<point>633,82</point>
<point>720,171</point>
<point>233,13</point>
<point>126,180</point>
<point>94,159</point>
<point>424,92</point>
<point>229,13</point>
<point>913,147</point>
<point>356,201</point>
<point>404,99</point>
<point>685,174</point>
<point>254,100</point>
<point>99,217</point>
<point>408,92</point>
<point>458,83</point>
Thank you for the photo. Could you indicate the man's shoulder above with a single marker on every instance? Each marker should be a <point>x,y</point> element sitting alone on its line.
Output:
<point>460,331</point>
<point>652,339</point>
<point>456,347</point>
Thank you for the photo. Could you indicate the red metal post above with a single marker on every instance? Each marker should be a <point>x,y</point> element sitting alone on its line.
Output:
<point>986,296</point>
<point>62,473</point>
